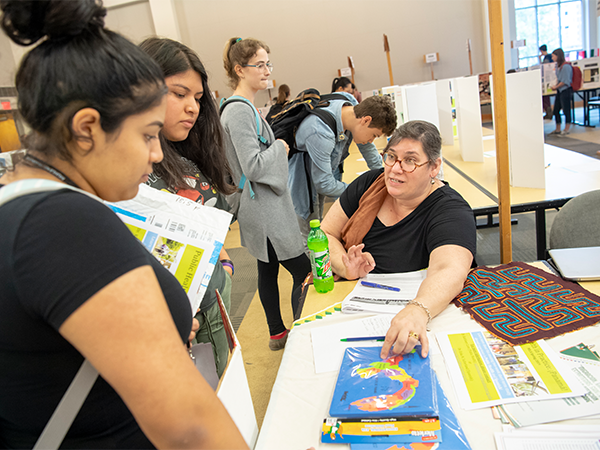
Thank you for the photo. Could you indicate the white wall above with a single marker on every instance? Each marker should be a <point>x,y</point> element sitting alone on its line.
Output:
<point>311,39</point>
<point>7,63</point>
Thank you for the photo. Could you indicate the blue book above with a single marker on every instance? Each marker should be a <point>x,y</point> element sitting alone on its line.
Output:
<point>400,386</point>
<point>454,436</point>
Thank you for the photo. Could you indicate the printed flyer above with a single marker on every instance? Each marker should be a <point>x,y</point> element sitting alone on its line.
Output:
<point>486,371</point>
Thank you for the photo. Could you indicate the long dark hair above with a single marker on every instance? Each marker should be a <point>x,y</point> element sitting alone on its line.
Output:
<point>340,82</point>
<point>204,145</point>
<point>80,64</point>
<point>560,56</point>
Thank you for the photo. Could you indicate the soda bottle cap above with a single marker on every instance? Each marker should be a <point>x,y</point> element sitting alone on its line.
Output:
<point>315,223</point>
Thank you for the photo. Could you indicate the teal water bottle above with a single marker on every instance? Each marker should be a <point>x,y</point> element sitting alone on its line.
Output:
<point>318,249</point>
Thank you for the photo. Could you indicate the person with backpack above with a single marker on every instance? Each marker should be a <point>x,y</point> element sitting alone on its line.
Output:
<point>564,94</point>
<point>194,166</point>
<point>79,293</point>
<point>283,95</point>
<point>259,163</point>
<point>312,170</point>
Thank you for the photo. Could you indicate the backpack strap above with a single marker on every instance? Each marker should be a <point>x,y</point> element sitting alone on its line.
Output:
<point>238,98</point>
<point>63,416</point>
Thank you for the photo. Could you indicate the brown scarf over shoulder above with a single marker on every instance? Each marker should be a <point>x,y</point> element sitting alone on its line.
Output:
<point>362,220</point>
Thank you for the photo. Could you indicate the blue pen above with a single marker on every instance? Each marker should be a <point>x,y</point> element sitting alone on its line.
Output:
<point>380,286</point>
<point>364,338</point>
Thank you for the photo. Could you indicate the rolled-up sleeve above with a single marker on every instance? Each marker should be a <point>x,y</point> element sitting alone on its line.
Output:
<point>371,155</point>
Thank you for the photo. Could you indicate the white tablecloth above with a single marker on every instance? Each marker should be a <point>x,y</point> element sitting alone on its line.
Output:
<point>300,398</point>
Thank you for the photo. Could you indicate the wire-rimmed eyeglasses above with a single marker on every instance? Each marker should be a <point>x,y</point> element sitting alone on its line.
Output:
<point>261,66</point>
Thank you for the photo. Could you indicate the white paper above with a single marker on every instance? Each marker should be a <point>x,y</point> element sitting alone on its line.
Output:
<point>588,374</point>
<point>486,371</point>
<point>509,441</point>
<point>549,437</point>
<point>177,218</point>
<point>328,350</point>
<point>382,301</point>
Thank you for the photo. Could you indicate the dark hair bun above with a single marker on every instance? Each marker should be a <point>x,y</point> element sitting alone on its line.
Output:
<point>27,21</point>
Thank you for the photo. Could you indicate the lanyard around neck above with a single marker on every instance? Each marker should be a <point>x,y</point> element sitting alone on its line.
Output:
<point>48,168</point>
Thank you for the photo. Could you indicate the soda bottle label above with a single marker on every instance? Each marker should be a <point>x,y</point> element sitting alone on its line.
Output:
<point>321,265</point>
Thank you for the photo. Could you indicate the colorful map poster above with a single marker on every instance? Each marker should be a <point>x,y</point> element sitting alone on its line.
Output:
<point>486,371</point>
<point>398,386</point>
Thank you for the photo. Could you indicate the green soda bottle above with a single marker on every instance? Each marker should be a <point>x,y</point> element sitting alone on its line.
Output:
<point>318,249</point>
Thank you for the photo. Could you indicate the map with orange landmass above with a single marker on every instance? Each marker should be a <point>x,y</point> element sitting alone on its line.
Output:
<point>389,368</point>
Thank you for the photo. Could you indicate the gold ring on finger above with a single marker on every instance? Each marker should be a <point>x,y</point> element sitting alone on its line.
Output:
<point>413,334</point>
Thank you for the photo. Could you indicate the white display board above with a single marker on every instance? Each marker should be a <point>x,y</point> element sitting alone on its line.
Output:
<point>525,129</point>
<point>234,393</point>
<point>468,118</point>
<point>421,103</point>
<point>396,95</point>
<point>444,104</point>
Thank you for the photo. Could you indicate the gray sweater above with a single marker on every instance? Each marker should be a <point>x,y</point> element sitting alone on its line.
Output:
<point>270,214</point>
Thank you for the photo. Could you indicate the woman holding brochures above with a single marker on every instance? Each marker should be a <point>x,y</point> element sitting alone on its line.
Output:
<point>78,292</point>
<point>194,166</point>
<point>402,218</point>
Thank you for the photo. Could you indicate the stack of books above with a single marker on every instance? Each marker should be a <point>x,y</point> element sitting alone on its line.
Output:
<point>394,403</point>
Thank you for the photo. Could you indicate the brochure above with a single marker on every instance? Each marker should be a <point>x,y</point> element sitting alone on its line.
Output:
<point>185,236</point>
<point>365,299</point>
<point>532,413</point>
<point>486,371</point>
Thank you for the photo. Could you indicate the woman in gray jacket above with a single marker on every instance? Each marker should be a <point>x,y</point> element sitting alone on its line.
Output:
<point>268,225</point>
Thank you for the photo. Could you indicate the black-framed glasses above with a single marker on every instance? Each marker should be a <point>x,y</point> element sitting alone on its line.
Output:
<point>261,66</point>
<point>408,165</point>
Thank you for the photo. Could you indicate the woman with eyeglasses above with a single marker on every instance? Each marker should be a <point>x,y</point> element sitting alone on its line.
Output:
<point>268,225</point>
<point>403,218</point>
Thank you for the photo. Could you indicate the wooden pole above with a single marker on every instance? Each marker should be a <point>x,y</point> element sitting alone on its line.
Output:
<point>386,49</point>
<point>500,128</point>
<point>469,51</point>
<point>431,64</point>
<point>351,65</point>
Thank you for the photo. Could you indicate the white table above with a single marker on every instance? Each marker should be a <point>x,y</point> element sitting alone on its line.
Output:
<point>300,398</point>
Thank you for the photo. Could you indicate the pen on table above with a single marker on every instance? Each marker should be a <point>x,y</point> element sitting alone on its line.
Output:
<point>363,338</point>
<point>380,286</point>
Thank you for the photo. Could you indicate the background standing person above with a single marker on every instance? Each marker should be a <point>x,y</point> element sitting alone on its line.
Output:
<point>195,167</point>
<point>342,84</point>
<point>545,58</point>
<point>282,97</point>
<point>564,76</point>
<point>268,226</point>
<point>75,284</point>
<point>356,93</point>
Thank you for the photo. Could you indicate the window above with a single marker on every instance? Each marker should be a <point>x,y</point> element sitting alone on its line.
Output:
<point>556,23</point>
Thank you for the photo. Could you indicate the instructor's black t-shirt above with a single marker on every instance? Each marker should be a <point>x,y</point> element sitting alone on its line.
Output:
<point>56,251</point>
<point>443,218</point>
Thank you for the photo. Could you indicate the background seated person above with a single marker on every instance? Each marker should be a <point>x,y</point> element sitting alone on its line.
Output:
<point>402,218</point>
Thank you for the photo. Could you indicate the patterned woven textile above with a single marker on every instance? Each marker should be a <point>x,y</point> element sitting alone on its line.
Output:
<point>519,303</point>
